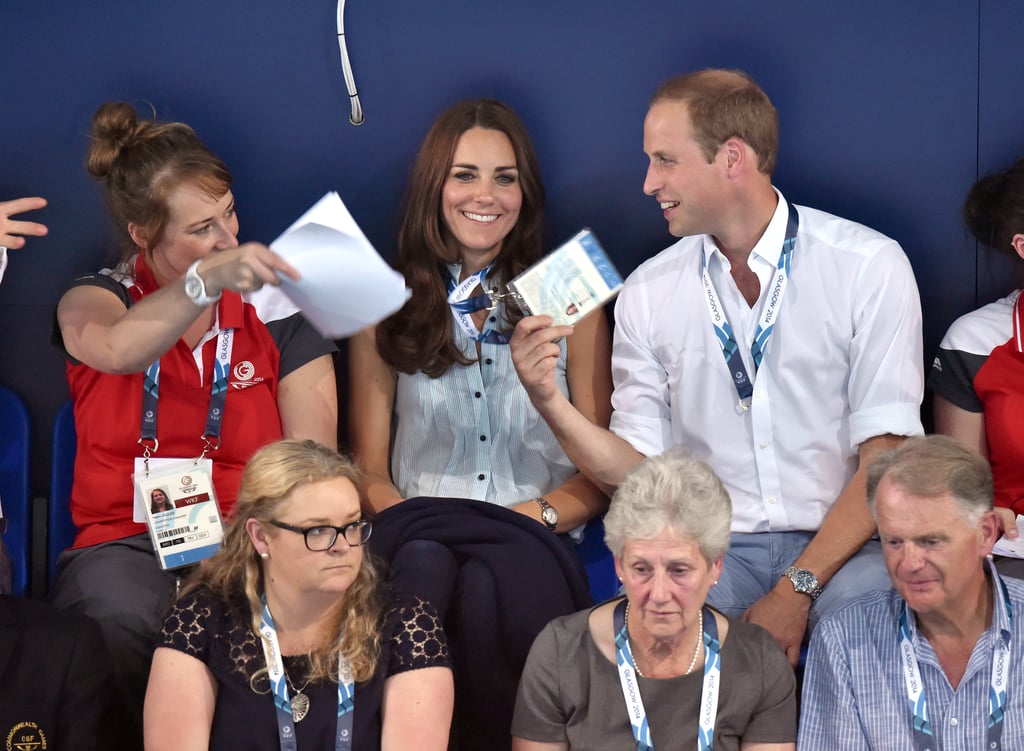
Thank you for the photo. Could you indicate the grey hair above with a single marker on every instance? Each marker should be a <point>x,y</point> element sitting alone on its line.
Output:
<point>676,491</point>
<point>932,466</point>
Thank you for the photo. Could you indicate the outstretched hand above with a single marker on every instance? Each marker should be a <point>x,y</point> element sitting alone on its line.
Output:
<point>11,230</point>
<point>244,269</point>
<point>535,355</point>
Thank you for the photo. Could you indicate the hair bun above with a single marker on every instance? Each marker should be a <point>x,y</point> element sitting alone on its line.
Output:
<point>115,127</point>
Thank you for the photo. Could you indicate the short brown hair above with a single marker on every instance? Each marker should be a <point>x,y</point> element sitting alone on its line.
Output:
<point>724,104</point>
<point>994,208</point>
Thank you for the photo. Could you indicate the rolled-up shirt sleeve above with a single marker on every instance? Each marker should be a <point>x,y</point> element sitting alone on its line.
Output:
<point>886,353</point>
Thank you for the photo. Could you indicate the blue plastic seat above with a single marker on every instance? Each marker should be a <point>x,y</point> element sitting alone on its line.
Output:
<point>598,561</point>
<point>60,529</point>
<point>15,493</point>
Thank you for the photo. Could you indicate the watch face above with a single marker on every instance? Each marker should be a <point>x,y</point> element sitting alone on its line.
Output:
<point>803,581</point>
<point>194,287</point>
<point>549,515</point>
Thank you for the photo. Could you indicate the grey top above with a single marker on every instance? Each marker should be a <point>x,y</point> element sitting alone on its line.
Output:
<point>570,692</point>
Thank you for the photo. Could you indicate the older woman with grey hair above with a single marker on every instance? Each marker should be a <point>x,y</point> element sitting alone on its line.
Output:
<point>658,668</point>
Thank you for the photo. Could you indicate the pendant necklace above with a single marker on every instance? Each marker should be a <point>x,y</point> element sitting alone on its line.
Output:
<point>696,652</point>
<point>298,700</point>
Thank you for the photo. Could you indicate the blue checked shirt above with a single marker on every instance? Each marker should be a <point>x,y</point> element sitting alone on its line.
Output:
<point>855,697</point>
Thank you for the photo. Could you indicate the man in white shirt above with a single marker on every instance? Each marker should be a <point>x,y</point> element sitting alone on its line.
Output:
<point>832,308</point>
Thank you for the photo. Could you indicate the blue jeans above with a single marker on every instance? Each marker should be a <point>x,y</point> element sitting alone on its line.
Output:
<point>756,561</point>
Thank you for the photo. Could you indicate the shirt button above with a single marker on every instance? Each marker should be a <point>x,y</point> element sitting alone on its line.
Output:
<point>488,361</point>
<point>759,393</point>
<point>480,477</point>
<point>763,445</point>
<point>492,319</point>
<point>483,438</point>
<point>476,394</point>
<point>771,499</point>
<point>954,721</point>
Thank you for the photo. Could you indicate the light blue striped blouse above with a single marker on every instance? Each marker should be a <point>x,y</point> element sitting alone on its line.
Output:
<point>472,433</point>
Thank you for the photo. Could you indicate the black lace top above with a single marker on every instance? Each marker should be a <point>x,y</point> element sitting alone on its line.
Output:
<point>221,636</point>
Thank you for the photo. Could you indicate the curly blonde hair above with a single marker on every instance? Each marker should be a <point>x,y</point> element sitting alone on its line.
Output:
<point>270,477</point>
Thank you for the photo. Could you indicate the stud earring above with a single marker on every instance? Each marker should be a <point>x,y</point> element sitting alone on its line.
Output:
<point>264,555</point>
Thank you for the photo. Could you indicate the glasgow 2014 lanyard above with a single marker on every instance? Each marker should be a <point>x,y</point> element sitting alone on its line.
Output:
<point>215,413</point>
<point>279,688</point>
<point>924,736</point>
<point>463,306</point>
<point>631,689</point>
<point>766,323</point>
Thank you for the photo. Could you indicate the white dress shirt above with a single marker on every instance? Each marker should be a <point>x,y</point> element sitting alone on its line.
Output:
<point>844,364</point>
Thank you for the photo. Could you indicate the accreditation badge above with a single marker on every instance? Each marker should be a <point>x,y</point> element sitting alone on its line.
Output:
<point>181,511</point>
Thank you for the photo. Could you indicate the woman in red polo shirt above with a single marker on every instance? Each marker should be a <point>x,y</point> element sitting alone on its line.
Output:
<point>175,353</point>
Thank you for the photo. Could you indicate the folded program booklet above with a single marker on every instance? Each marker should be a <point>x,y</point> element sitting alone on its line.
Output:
<point>568,283</point>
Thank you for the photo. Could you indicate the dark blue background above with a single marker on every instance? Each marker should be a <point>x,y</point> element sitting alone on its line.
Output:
<point>889,111</point>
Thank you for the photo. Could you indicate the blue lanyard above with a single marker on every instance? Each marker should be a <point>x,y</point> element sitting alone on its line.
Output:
<point>463,306</point>
<point>768,318</point>
<point>279,688</point>
<point>215,412</point>
<point>924,735</point>
<point>631,689</point>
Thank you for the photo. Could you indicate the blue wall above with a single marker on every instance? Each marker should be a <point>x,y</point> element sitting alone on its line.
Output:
<point>888,110</point>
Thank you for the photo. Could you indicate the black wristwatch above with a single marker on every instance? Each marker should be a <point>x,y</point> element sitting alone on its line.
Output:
<point>804,581</point>
<point>548,513</point>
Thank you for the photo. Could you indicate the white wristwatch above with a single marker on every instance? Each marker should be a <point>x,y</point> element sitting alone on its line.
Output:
<point>195,287</point>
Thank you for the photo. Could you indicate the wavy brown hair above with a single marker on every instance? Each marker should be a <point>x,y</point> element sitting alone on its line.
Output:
<point>269,479</point>
<point>419,336</point>
<point>140,162</point>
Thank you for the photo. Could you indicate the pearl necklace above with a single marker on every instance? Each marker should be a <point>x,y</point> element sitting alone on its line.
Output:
<point>696,652</point>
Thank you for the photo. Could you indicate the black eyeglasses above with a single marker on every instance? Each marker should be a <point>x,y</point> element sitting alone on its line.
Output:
<point>324,536</point>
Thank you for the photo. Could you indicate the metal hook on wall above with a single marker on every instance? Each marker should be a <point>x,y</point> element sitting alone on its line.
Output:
<point>356,118</point>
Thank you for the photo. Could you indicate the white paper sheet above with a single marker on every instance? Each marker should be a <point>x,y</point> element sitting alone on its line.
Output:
<point>1011,548</point>
<point>345,285</point>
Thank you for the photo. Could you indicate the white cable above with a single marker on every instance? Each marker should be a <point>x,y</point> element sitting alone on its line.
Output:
<point>356,118</point>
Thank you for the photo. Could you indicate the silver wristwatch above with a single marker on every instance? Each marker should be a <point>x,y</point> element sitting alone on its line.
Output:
<point>548,513</point>
<point>195,287</point>
<point>804,581</point>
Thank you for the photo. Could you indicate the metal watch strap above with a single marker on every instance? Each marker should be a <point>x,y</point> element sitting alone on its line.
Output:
<point>804,582</point>
<point>548,513</point>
